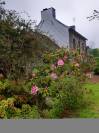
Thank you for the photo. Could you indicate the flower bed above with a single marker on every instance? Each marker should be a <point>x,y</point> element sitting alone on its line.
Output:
<point>55,85</point>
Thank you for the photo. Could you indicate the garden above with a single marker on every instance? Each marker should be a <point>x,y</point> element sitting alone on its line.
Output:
<point>54,90</point>
<point>39,80</point>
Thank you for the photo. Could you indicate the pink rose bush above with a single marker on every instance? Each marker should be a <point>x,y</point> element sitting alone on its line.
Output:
<point>55,85</point>
<point>60,78</point>
<point>34,90</point>
<point>70,62</point>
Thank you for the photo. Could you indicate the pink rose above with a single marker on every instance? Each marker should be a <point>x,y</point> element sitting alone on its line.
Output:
<point>53,76</point>
<point>34,90</point>
<point>77,65</point>
<point>60,62</point>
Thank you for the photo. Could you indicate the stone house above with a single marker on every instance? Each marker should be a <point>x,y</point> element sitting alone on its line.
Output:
<point>65,36</point>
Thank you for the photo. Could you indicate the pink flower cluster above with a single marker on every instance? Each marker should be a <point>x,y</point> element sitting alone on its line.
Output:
<point>34,90</point>
<point>60,62</point>
<point>53,76</point>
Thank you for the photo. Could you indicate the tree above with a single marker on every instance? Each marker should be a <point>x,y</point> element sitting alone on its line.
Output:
<point>95,15</point>
<point>19,44</point>
<point>15,42</point>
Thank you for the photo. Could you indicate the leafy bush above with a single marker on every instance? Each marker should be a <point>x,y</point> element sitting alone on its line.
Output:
<point>29,112</point>
<point>7,108</point>
<point>95,53</point>
<point>96,70</point>
<point>20,47</point>
<point>8,111</point>
<point>8,89</point>
<point>60,81</point>
<point>54,86</point>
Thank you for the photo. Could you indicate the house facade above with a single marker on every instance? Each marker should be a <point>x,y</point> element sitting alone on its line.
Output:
<point>64,36</point>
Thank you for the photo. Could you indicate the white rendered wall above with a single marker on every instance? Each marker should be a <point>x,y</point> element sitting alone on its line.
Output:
<point>57,31</point>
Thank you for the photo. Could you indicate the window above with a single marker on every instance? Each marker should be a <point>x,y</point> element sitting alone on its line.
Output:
<point>78,44</point>
<point>74,44</point>
<point>83,47</point>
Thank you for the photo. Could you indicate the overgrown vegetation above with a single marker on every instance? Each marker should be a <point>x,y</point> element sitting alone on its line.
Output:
<point>95,53</point>
<point>55,86</point>
<point>37,79</point>
<point>21,48</point>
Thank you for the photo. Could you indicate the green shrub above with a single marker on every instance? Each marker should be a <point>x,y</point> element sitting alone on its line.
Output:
<point>29,112</point>
<point>96,70</point>
<point>7,108</point>
<point>9,111</point>
<point>68,95</point>
<point>8,89</point>
<point>57,109</point>
<point>54,86</point>
<point>61,84</point>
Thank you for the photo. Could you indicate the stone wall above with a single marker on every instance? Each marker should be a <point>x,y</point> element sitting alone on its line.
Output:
<point>76,41</point>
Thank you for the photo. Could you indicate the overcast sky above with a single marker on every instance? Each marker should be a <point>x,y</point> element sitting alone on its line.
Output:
<point>66,11</point>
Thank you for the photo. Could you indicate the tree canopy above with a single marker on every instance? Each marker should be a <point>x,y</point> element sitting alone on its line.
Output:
<point>20,46</point>
<point>95,15</point>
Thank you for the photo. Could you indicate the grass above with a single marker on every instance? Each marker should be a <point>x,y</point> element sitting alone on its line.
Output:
<point>92,109</point>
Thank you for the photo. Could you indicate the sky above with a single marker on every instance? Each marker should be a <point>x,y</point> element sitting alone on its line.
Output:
<point>69,12</point>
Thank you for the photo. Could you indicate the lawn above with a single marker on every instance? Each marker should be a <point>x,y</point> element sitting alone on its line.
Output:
<point>92,109</point>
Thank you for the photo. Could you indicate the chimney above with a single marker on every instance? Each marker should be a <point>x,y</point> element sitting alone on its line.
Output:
<point>48,13</point>
<point>73,27</point>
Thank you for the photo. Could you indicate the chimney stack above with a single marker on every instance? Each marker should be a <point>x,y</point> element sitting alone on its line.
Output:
<point>48,13</point>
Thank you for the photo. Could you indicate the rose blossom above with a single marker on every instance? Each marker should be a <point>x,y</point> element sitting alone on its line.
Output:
<point>34,90</point>
<point>77,65</point>
<point>53,76</point>
<point>60,62</point>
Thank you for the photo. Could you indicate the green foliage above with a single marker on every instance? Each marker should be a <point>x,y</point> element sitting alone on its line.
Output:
<point>20,47</point>
<point>8,111</point>
<point>65,88</point>
<point>60,86</point>
<point>69,96</point>
<point>53,80</point>
<point>96,70</point>
<point>29,112</point>
<point>7,108</point>
<point>8,88</point>
<point>95,53</point>
<point>54,112</point>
